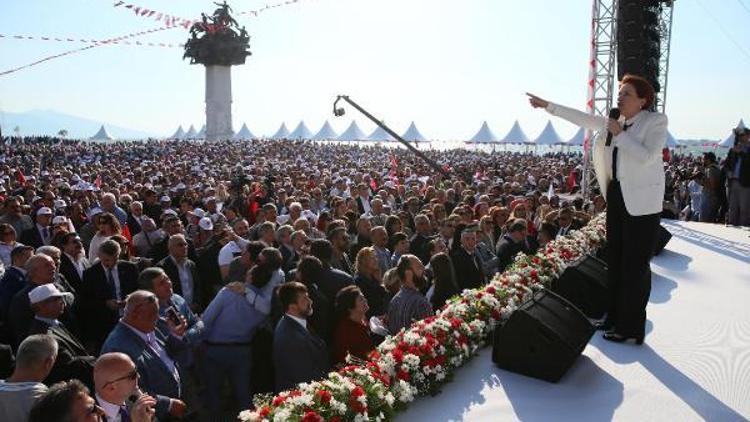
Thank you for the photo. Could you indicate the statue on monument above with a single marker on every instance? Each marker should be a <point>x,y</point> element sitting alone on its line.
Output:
<point>217,40</point>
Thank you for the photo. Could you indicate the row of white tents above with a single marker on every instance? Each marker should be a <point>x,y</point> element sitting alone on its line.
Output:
<point>484,136</point>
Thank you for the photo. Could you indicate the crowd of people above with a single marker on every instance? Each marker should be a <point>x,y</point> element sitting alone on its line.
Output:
<point>140,279</point>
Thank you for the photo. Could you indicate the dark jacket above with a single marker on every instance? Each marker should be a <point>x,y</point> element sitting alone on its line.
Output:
<point>73,361</point>
<point>171,269</point>
<point>506,251</point>
<point>376,294</point>
<point>333,280</point>
<point>68,270</point>
<point>731,161</point>
<point>20,314</point>
<point>31,237</point>
<point>468,269</point>
<point>11,283</point>
<point>133,225</point>
<point>97,319</point>
<point>298,355</point>
<point>418,247</point>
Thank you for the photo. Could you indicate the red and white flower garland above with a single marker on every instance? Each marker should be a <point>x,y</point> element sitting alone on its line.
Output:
<point>418,360</point>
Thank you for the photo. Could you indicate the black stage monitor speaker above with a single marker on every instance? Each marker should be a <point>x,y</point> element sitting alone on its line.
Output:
<point>584,283</point>
<point>662,240</point>
<point>542,338</point>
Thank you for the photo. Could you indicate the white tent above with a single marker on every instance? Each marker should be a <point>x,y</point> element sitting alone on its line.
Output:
<point>101,135</point>
<point>578,138</point>
<point>243,134</point>
<point>515,135</point>
<point>380,135</point>
<point>729,142</point>
<point>178,134</point>
<point>548,136</point>
<point>325,133</point>
<point>301,131</point>
<point>671,141</point>
<point>412,134</point>
<point>282,133</point>
<point>191,133</point>
<point>202,133</point>
<point>352,133</point>
<point>484,135</point>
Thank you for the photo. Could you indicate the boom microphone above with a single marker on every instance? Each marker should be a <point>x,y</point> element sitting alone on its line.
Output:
<point>613,114</point>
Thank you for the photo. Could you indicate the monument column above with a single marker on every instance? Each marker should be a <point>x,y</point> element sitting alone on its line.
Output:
<point>218,43</point>
<point>218,103</point>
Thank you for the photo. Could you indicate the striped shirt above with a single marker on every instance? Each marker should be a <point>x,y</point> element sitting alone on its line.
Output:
<point>406,307</point>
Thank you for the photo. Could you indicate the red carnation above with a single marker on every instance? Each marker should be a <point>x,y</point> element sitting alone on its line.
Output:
<point>278,400</point>
<point>398,355</point>
<point>403,375</point>
<point>325,396</point>
<point>490,290</point>
<point>311,416</point>
<point>358,391</point>
<point>264,411</point>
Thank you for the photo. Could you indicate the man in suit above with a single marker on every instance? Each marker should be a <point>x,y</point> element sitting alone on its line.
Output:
<point>73,260</point>
<point>183,272</point>
<point>115,380</point>
<point>40,269</point>
<point>363,199</point>
<point>298,354</point>
<point>418,242</point>
<point>135,218</point>
<point>41,233</point>
<point>363,237</point>
<point>172,225</point>
<point>466,261</point>
<point>330,280</point>
<point>153,352</point>
<point>513,242</point>
<point>73,361</point>
<point>14,278</point>
<point>105,286</point>
<point>566,222</point>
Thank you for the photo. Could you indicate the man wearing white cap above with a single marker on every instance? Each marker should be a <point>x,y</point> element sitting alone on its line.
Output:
<point>41,233</point>
<point>73,361</point>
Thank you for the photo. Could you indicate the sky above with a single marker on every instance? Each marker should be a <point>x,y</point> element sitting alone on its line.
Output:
<point>446,64</point>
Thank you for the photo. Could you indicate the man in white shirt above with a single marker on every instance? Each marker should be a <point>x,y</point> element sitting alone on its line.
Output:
<point>36,356</point>
<point>115,380</point>
<point>235,247</point>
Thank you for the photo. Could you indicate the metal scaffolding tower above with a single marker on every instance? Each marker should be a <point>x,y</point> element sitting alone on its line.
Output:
<point>602,73</point>
<point>665,35</point>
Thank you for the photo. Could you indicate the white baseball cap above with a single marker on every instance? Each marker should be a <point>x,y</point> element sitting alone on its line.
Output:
<point>198,212</point>
<point>44,211</point>
<point>46,291</point>
<point>206,224</point>
<point>60,219</point>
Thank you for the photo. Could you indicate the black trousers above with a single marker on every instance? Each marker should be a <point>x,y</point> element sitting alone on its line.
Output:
<point>630,246</point>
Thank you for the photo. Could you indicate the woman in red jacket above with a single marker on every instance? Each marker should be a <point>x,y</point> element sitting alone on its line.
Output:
<point>352,335</point>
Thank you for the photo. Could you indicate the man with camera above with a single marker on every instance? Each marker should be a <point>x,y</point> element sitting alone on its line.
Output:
<point>737,166</point>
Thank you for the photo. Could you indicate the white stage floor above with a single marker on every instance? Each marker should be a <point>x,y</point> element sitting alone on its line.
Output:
<point>694,365</point>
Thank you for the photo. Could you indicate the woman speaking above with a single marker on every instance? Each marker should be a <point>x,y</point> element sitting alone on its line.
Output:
<point>630,173</point>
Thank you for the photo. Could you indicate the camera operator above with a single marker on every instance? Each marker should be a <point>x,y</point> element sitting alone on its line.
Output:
<point>737,167</point>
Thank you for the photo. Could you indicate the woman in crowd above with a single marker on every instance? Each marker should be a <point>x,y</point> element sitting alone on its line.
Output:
<point>108,227</point>
<point>352,332</point>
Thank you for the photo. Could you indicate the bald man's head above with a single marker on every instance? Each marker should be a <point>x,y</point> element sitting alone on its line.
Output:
<point>115,377</point>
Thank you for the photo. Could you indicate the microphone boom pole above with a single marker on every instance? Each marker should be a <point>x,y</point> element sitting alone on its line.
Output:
<point>340,112</point>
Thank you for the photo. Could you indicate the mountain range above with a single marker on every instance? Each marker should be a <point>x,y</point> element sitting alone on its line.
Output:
<point>50,122</point>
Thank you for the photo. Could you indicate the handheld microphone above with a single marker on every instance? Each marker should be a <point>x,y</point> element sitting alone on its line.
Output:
<point>613,114</point>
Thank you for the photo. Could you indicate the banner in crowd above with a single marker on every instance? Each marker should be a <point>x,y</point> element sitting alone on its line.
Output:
<point>416,361</point>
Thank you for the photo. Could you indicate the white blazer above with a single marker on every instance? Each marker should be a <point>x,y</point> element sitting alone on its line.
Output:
<point>640,169</point>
